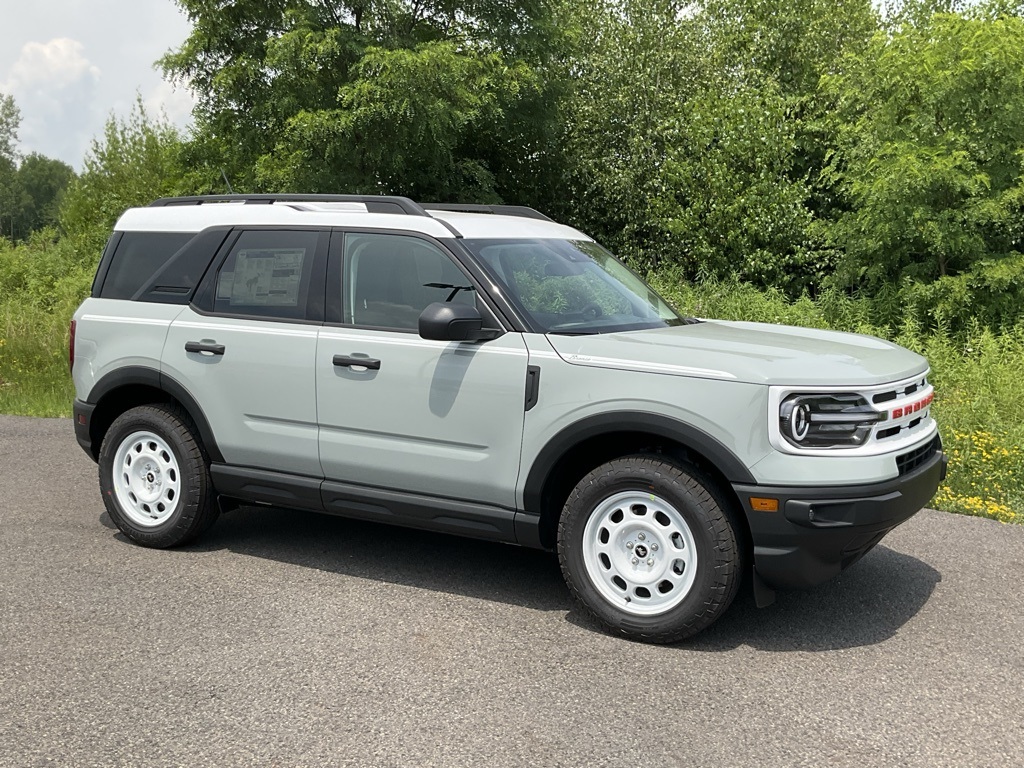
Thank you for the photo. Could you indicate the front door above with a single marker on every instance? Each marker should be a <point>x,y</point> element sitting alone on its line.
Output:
<point>434,420</point>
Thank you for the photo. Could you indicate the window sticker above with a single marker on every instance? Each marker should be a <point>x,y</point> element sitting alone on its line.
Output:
<point>265,278</point>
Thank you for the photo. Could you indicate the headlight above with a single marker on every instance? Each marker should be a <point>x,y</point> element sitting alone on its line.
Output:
<point>827,421</point>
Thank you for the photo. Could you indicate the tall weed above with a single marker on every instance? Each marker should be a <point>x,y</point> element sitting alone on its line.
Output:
<point>41,283</point>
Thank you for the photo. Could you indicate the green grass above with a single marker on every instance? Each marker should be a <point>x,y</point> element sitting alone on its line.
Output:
<point>41,283</point>
<point>34,376</point>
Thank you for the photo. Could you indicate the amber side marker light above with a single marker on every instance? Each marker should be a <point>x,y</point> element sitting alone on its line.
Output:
<point>764,505</point>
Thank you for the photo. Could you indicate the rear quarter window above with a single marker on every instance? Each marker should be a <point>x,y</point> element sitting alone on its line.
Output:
<point>138,257</point>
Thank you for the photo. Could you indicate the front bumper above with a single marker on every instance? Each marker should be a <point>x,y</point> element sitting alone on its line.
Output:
<point>817,531</point>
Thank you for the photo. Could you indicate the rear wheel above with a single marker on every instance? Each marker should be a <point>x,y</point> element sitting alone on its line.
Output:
<point>647,548</point>
<point>154,477</point>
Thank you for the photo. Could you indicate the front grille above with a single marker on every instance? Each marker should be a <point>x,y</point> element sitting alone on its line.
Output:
<point>911,460</point>
<point>891,398</point>
<point>892,394</point>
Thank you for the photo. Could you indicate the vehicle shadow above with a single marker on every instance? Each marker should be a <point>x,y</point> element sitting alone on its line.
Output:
<point>386,553</point>
<point>863,606</point>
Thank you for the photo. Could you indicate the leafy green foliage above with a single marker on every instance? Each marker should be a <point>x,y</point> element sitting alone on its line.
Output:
<point>431,98</point>
<point>682,161</point>
<point>10,198</point>
<point>793,44</point>
<point>929,139</point>
<point>44,271</point>
<point>135,161</point>
<point>409,122</point>
<point>10,120</point>
<point>30,187</point>
<point>39,183</point>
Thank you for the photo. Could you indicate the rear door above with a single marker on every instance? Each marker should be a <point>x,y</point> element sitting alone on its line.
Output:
<point>246,347</point>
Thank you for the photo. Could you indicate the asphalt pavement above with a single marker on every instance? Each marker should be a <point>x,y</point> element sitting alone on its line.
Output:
<point>294,639</point>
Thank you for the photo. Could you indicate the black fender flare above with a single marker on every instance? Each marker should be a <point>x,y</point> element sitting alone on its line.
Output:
<point>690,437</point>
<point>151,377</point>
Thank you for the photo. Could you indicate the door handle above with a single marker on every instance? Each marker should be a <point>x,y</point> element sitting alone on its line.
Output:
<point>204,346</point>
<point>344,361</point>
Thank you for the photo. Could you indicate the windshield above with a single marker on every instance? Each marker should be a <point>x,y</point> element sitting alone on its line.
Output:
<point>572,286</point>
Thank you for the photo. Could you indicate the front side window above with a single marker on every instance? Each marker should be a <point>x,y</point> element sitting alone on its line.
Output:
<point>390,279</point>
<point>267,274</point>
<point>572,287</point>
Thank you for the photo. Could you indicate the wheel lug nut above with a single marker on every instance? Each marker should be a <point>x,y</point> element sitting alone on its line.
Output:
<point>641,536</point>
<point>654,547</point>
<point>629,545</point>
<point>635,561</point>
<point>650,561</point>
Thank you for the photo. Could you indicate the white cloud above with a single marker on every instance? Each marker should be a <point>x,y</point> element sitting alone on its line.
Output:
<point>56,64</point>
<point>54,84</point>
<point>98,57</point>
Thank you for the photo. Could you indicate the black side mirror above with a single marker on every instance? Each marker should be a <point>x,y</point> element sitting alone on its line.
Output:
<point>442,321</point>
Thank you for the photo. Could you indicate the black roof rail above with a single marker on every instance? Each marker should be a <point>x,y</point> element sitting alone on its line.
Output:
<point>500,210</point>
<point>373,203</point>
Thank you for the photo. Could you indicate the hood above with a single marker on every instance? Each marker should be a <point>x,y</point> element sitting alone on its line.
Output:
<point>756,353</point>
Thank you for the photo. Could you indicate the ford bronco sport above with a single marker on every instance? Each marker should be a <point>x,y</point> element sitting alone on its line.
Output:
<point>485,371</point>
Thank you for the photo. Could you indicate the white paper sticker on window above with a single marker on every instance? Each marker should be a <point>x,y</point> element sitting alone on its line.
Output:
<point>265,277</point>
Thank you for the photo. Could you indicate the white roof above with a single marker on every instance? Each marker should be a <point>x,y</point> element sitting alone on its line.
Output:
<point>194,218</point>
<point>489,225</point>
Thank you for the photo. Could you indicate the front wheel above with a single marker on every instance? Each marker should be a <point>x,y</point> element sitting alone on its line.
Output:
<point>646,546</point>
<point>154,477</point>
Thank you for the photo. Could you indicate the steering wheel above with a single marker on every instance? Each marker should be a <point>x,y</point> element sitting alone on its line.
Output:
<point>592,310</point>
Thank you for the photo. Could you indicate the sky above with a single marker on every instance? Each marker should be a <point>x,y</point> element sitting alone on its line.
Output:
<point>70,64</point>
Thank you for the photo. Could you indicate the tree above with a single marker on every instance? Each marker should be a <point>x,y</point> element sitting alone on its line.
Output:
<point>422,98</point>
<point>680,163</point>
<point>791,44</point>
<point>10,120</point>
<point>789,48</point>
<point>929,137</point>
<point>407,123</point>
<point>42,181</point>
<point>10,195</point>
<point>135,161</point>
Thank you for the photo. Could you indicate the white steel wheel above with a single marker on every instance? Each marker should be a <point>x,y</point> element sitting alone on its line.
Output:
<point>146,479</point>
<point>648,549</point>
<point>155,476</point>
<point>639,553</point>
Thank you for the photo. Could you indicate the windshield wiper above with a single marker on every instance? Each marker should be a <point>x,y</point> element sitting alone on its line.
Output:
<point>455,288</point>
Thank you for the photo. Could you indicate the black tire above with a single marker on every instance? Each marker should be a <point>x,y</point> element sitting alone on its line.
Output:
<point>688,495</point>
<point>194,504</point>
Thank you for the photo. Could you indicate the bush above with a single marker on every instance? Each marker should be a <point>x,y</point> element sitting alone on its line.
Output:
<point>34,377</point>
<point>43,281</point>
<point>44,272</point>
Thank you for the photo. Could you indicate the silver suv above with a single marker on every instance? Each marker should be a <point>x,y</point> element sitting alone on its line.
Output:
<point>482,370</point>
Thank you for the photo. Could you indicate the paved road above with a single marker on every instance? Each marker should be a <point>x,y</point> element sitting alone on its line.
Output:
<point>292,639</point>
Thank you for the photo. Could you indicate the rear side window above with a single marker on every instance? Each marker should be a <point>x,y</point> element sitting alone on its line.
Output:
<point>267,274</point>
<point>139,256</point>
